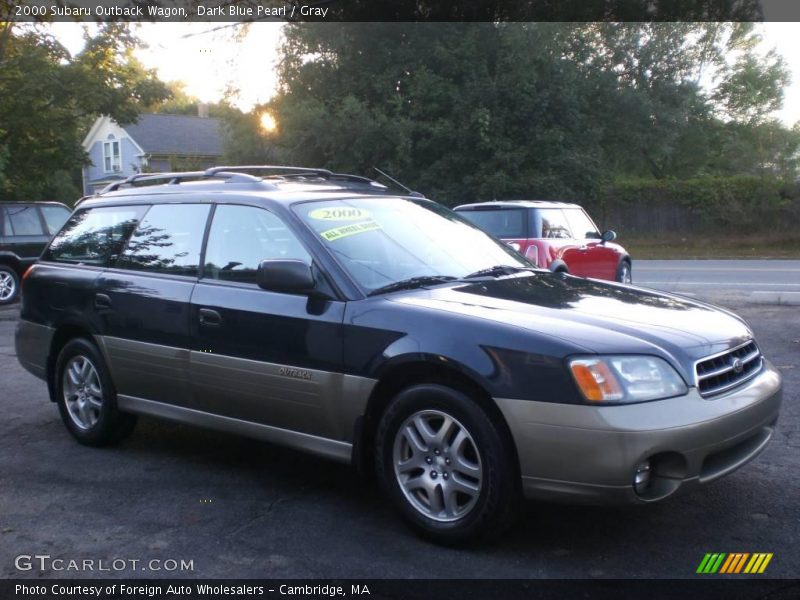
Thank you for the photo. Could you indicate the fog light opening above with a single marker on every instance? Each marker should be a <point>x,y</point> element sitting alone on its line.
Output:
<point>642,478</point>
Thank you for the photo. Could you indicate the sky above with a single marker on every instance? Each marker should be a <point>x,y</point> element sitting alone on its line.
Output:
<point>202,56</point>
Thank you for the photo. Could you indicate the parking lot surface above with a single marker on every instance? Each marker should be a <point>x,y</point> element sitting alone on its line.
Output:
<point>241,508</point>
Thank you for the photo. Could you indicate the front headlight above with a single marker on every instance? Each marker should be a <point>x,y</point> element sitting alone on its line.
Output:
<point>623,379</point>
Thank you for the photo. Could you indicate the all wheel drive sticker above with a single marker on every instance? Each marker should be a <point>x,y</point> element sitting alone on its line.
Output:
<point>344,214</point>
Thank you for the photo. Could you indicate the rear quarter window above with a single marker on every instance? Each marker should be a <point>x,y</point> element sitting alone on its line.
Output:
<point>94,236</point>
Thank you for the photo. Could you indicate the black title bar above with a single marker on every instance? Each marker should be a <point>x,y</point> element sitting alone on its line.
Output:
<point>182,589</point>
<point>399,10</point>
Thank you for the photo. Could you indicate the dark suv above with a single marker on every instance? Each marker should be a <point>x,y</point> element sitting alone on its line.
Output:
<point>323,312</point>
<point>25,228</point>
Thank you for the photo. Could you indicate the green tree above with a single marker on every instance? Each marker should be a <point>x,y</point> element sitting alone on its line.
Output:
<point>490,110</point>
<point>48,98</point>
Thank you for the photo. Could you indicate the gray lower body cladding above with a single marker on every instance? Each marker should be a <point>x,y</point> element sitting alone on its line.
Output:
<point>567,452</point>
<point>33,342</point>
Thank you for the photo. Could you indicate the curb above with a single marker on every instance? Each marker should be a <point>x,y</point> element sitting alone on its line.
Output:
<point>779,298</point>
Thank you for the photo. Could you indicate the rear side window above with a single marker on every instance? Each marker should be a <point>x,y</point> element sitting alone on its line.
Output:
<point>54,217</point>
<point>241,237</point>
<point>94,236</point>
<point>23,220</point>
<point>554,223</point>
<point>501,223</point>
<point>168,240</point>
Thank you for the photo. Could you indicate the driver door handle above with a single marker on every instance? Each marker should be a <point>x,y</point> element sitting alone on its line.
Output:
<point>210,318</point>
<point>102,302</point>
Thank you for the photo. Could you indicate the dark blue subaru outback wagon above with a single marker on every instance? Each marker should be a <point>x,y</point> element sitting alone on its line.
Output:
<point>324,312</point>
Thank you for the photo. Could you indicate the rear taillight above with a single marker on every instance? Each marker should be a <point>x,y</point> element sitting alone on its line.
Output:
<point>532,254</point>
<point>25,276</point>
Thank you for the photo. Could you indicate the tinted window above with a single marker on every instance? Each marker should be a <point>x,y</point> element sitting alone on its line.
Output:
<point>501,223</point>
<point>24,220</point>
<point>168,240</point>
<point>580,223</point>
<point>554,223</point>
<point>54,216</point>
<point>241,237</point>
<point>94,235</point>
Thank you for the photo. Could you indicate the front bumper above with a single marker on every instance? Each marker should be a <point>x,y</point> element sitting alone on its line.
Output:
<point>589,454</point>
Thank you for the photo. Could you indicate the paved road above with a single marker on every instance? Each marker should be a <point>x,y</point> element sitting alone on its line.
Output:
<point>241,508</point>
<point>759,281</point>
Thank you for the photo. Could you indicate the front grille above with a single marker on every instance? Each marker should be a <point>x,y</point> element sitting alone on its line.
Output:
<point>718,373</point>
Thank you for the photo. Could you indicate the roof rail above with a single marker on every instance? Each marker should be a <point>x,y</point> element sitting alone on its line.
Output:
<point>175,178</point>
<point>239,174</point>
<point>287,172</point>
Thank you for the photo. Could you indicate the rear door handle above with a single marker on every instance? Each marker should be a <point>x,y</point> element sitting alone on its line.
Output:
<point>210,317</point>
<point>102,302</point>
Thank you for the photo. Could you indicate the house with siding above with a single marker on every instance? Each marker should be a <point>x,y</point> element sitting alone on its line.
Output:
<point>155,143</point>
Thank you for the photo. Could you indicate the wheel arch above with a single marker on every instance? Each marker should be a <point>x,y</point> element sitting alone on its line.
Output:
<point>64,333</point>
<point>9,259</point>
<point>405,374</point>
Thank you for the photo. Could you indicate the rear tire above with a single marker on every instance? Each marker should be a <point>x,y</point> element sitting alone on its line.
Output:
<point>86,396</point>
<point>9,285</point>
<point>446,465</point>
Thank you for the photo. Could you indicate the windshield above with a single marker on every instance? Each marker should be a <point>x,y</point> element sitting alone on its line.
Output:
<point>381,241</point>
<point>503,223</point>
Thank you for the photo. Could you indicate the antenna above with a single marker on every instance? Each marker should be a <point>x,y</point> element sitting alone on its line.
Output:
<point>400,185</point>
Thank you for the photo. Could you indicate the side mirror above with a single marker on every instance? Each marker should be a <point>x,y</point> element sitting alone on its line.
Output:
<point>609,236</point>
<point>291,276</point>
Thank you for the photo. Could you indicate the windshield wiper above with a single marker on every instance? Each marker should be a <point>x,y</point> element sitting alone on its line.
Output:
<point>497,271</point>
<point>411,283</point>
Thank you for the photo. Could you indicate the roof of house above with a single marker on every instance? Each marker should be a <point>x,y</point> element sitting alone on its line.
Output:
<point>177,134</point>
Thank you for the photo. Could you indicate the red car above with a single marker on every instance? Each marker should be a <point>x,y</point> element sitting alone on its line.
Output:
<point>554,235</point>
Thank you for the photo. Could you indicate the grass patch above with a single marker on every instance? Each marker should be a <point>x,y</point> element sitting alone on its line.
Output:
<point>713,246</point>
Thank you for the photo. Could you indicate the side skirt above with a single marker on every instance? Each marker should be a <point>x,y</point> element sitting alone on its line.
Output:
<point>336,450</point>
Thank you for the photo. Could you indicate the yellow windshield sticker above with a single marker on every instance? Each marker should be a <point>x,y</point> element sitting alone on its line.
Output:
<point>334,234</point>
<point>339,213</point>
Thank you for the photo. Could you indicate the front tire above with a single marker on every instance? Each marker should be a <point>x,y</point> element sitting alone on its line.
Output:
<point>446,465</point>
<point>9,285</point>
<point>625,272</point>
<point>86,396</point>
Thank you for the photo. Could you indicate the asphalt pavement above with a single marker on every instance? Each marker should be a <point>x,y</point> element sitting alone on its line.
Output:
<point>242,508</point>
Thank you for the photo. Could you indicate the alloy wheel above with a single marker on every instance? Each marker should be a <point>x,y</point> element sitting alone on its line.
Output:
<point>625,274</point>
<point>7,286</point>
<point>83,392</point>
<point>437,465</point>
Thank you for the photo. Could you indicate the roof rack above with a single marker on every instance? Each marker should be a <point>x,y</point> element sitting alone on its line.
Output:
<point>285,172</point>
<point>239,174</point>
<point>288,170</point>
<point>175,178</point>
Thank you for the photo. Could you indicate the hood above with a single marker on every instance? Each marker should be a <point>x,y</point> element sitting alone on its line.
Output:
<point>593,315</point>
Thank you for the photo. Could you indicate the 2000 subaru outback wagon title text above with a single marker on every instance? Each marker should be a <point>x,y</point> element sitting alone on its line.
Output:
<point>324,312</point>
